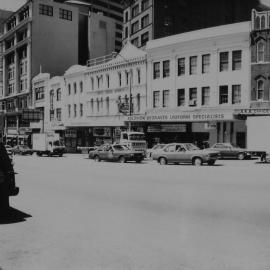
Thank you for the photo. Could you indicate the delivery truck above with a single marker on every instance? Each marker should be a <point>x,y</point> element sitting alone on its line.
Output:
<point>48,144</point>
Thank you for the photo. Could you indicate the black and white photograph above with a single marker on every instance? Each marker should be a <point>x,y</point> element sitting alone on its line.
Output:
<point>135,134</point>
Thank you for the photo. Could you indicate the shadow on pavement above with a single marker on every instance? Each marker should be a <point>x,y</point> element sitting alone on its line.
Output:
<point>13,216</point>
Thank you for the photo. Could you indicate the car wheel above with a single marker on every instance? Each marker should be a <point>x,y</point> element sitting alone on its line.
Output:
<point>241,156</point>
<point>211,162</point>
<point>162,161</point>
<point>96,158</point>
<point>197,161</point>
<point>122,159</point>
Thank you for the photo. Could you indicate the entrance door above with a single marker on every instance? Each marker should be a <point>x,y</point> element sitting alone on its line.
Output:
<point>241,139</point>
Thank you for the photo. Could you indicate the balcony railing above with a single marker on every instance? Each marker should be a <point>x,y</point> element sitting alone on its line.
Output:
<point>101,60</point>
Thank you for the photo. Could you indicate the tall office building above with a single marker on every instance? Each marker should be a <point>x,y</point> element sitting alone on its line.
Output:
<point>151,19</point>
<point>109,8</point>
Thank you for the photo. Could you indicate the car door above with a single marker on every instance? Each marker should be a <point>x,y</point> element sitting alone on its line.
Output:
<point>170,153</point>
<point>180,154</point>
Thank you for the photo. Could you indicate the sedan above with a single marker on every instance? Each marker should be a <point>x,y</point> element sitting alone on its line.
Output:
<point>229,151</point>
<point>22,150</point>
<point>118,153</point>
<point>185,153</point>
<point>157,147</point>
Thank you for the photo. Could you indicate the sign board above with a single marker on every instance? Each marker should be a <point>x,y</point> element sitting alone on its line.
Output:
<point>71,133</point>
<point>102,132</point>
<point>253,112</point>
<point>32,115</point>
<point>209,125</point>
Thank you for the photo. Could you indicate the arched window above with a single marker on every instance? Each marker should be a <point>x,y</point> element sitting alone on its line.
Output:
<point>263,22</point>
<point>92,105</point>
<point>97,105</point>
<point>81,86</point>
<point>58,94</point>
<point>257,23</point>
<point>75,88</point>
<point>260,52</point>
<point>260,90</point>
<point>69,89</point>
<point>138,102</point>
<point>51,99</point>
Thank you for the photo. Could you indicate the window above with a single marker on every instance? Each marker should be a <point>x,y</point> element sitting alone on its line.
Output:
<point>135,27</point>
<point>58,94</point>
<point>107,105</point>
<point>75,110</point>
<point>156,99</point>
<point>126,16</point>
<point>69,89</point>
<point>145,4</point>
<point>193,65</point>
<point>135,11</point>
<point>65,14</point>
<point>126,32</point>
<point>181,66</point>
<point>51,115</point>
<point>69,111</point>
<point>135,42</point>
<point>260,52</point>
<point>262,22</point>
<point>120,78</point>
<point>236,60</point>
<point>205,96</point>
<point>236,94</point>
<point>260,90</point>
<point>156,74</point>
<point>139,75</point>
<point>127,80</point>
<point>138,102</point>
<point>166,96</point>
<point>166,68</point>
<point>181,97</point>
<point>81,87</point>
<point>58,114</point>
<point>51,99</point>
<point>223,94</point>
<point>223,61</point>
<point>81,109</point>
<point>257,23</point>
<point>192,96</point>
<point>45,10</point>
<point>206,63</point>
<point>92,84</point>
<point>108,80</point>
<point>92,105</point>
<point>145,21</point>
<point>144,38</point>
<point>99,81</point>
<point>39,93</point>
<point>75,88</point>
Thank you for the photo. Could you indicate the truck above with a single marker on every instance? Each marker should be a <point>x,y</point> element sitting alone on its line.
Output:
<point>134,140</point>
<point>48,144</point>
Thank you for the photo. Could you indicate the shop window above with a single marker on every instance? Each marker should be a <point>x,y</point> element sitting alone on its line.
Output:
<point>166,68</point>
<point>223,94</point>
<point>236,94</point>
<point>192,97</point>
<point>205,96</point>
<point>260,52</point>
<point>156,70</point>
<point>166,98</point>
<point>156,99</point>
<point>206,63</point>
<point>223,61</point>
<point>181,66</point>
<point>260,90</point>
<point>181,97</point>
<point>193,65</point>
<point>236,60</point>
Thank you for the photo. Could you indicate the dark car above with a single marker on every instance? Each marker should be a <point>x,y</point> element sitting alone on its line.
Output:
<point>22,150</point>
<point>185,153</point>
<point>116,152</point>
<point>229,151</point>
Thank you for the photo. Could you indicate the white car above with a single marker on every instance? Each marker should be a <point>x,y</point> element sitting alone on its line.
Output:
<point>157,147</point>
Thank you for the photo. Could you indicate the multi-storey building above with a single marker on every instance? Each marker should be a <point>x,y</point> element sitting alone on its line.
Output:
<point>151,19</point>
<point>40,34</point>
<point>109,8</point>
<point>196,82</point>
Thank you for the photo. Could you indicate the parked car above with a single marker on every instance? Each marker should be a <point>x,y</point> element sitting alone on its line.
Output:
<point>185,153</point>
<point>229,151</point>
<point>157,147</point>
<point>116,153</point>
<point>266,157</point>
<point>22,150</point>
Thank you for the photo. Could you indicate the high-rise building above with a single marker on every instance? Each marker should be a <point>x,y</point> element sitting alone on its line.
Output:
<point>109,8</point>
<point>151,19</point>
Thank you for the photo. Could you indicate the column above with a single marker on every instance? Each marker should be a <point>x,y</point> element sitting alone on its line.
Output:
<point>16,73</point>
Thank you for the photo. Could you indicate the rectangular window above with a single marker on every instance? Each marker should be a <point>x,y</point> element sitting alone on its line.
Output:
<point>166,98</point>
<point>166,68</point>
<point>236,94</point>
<point>181,97</point>
<point>58,114</point>
<point>126,32</point>
<point>144,38</point>
<point>45,10</point>
<point>236,60</point>
<point>145,21</point>
<point>135,42</point>
<point>139,75</point>
<point>120,78</point>
<point>135,27</point>
<point>65,14</point>
<point>51,115</point>
<point>193,65</point>
<point>223,61</point>
<point>205,96</point>
<point>156,74</point>
<point>126,16</point>
<point>192,96</point>
<point>39,93</point>
<point>145,4</point>
<point>75,110</point>
<point>206,63</point>
<point>156,99</point>
<point>69,111</point>
<point>135,11</point>
<point>81,109</point>
<point>223,94</point>
<point>181,66</point>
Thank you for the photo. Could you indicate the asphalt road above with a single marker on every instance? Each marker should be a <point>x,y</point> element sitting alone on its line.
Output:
<point>79,214</point>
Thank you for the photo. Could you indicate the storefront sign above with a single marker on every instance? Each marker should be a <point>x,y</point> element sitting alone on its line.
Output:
<point>183,117</point>
<point>102,132</point>
<point>253,111</point>
<point>209,125</point>
<point>167,128</point>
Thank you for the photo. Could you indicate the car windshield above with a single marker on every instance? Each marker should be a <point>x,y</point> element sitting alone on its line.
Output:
<point>190,147</point>
<point>119,147</point>
<point>158,146</point>
<point>136,137</point>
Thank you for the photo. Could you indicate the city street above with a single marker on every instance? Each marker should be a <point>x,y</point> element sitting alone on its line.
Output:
<point>81,214</point>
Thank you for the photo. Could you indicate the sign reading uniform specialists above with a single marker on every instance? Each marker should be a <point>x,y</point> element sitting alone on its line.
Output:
<point>183,117</point>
